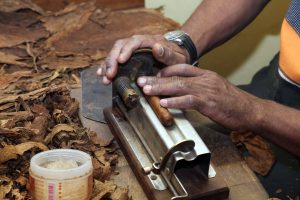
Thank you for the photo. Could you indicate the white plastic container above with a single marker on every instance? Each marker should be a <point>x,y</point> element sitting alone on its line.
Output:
<point>61,184</point>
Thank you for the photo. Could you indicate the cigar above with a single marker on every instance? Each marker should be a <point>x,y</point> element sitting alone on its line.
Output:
<point>163,114</point>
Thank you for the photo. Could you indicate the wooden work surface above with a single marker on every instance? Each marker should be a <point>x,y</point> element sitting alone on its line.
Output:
<point>242,182</point>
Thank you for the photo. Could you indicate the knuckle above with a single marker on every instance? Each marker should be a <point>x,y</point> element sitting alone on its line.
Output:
<point>191,101</point>
<point>119,43</point>
<point>182,68</point>
<point>137,37</point>
<point>180,82</point>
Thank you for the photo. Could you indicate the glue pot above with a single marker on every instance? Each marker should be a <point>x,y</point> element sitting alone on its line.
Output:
<point>61,174</point>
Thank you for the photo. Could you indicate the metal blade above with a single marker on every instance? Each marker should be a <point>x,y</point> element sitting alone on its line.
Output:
<point>95,95</point>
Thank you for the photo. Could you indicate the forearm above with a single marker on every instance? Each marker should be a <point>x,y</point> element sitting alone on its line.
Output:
<point>279,124</point>
<point>215,21</point>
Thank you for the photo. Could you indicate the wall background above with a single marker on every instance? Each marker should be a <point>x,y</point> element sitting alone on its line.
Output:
<point>247,52</point>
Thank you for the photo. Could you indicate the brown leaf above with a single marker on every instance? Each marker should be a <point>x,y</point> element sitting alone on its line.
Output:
<point>12,60</point>
<point>120,194</point>
<point>58,129</point>
<point>100,54</point>
<point>22,180</point>
<point>92,37</point>
<point>102,189</point>
<point>12,35</point>
<point>40,109</point>
<point>15,5</point>
<point>39,125</point>
<point>12,151</point>
<point>261,157</point>
<point>34,94</point>
<point>17,195</point>
<point>69,62</point>
<point>17,132</point>
<point>27,86</point>
<point>98,140</point>
<point>5,189</point>
<point>72,18</point>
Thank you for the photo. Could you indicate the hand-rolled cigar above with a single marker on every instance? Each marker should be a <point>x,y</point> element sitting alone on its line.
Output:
<point>164,116</point>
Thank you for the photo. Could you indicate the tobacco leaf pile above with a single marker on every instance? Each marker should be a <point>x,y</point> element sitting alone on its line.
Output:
<point>41,57</point>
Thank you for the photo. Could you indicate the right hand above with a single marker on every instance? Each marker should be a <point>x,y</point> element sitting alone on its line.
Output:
<point>164,51</point>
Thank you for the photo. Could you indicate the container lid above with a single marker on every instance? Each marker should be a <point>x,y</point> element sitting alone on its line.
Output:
<point>38,161</point>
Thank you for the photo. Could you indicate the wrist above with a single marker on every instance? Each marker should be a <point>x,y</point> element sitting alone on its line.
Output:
<point>198,39</point>
<point>257,115</point>
<point>183,40</point>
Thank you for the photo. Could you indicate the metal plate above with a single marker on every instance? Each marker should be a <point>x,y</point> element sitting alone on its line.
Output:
<point>95,95</point>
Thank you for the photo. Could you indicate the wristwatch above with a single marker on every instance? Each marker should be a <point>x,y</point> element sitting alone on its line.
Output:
<point>182,39</point>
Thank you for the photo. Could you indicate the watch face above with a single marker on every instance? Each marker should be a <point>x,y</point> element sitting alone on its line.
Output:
<point>173,35</point>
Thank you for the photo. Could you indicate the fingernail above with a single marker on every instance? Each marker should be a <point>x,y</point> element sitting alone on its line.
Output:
<point>108,70</point>
<point>141,81</point>
<point>164,102</point>
<point>105,80</point>
<point>147,89</point>
<point>121,57</point>
<point>99,71</point>
<point>161,51</point>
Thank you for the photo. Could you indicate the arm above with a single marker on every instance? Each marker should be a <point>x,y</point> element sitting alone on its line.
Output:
<point>224,103</point>
<point>216,21</point>
<point>279,124</point>
<point>213,22</point>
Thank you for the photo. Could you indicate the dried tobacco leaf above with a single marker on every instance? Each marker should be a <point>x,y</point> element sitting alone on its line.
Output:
<point>22,180</point>
<point>92,37</point>
<point>102,189</point>
<point>15,5</point>
<point>72,18</point>
<point>28,86</point>
<point>34,94</point>
<point>12,151</point>
<point>100,54</point>
<point>17,195</point>
<point>12,60</point>
<point>5,188</point>
<point>120,194</point>
<point>65,128</point>
<point>98,140</point>
<point>21,19</point>
<point>261,157</point>
<point>11,36</point>
<point>107,189</point>
<point>62,63</point>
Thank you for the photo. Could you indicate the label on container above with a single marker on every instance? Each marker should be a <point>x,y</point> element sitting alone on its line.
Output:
<point>75,189</point>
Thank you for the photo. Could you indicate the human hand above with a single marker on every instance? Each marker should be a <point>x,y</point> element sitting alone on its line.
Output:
<point>205,91</point>
<point>164,51</point>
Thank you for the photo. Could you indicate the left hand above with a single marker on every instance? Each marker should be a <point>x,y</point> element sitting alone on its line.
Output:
<point>205,91</point>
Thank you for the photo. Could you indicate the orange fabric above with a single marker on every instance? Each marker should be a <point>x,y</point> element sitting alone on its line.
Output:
<point>290,52</point>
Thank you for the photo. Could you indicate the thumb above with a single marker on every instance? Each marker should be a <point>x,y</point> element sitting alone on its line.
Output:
<point>166,55</point>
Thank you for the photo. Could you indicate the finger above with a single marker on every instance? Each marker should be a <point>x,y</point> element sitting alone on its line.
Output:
<point>181,102</point>
<point>166,86</point>
<point>150,80</point>
<point>105,80</point>
<point>134,43</point>
<point>101,70</point>
<point>167,55</point>
<point>111,60</point>
<point>183,70</point>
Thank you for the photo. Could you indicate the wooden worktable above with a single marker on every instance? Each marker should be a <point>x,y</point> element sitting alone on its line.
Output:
<point>242,182</point>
